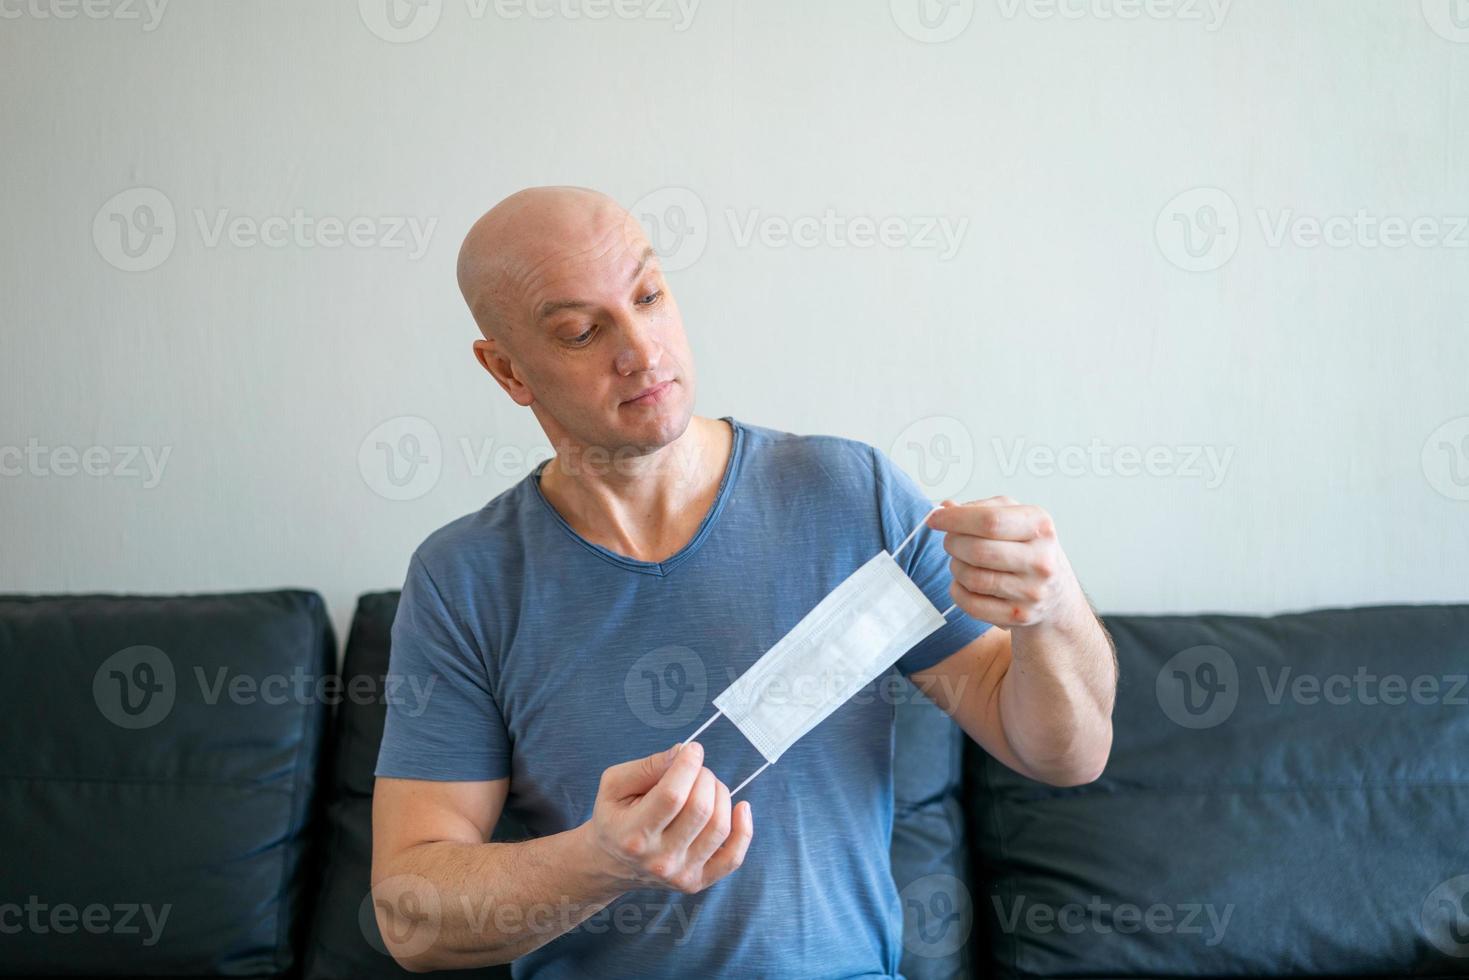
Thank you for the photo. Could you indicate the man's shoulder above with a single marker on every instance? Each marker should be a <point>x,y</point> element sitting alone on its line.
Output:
<point>493,532</point>
<point>812,456</point>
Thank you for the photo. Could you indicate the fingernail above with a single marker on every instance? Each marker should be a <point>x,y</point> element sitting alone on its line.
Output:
<point>671,753</point>
<point>696,749</point>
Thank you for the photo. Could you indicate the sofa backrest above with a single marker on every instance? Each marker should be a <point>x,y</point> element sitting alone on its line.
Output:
<point>159,781</point>
<point>1286,795</point>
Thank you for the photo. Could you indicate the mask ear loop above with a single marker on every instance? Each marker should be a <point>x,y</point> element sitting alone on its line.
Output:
<point>914,533</point>
<point>700,730</point>
<point>945,614</point>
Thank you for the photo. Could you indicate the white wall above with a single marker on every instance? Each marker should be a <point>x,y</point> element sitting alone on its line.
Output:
<point>1322,374</point>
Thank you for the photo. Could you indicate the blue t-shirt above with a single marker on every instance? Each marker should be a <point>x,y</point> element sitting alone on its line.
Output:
<point>553,658</point>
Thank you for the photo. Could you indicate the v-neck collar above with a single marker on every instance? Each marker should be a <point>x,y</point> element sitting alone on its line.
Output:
<point>660,568</point>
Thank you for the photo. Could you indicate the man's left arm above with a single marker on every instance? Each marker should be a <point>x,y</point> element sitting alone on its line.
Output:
<point>1036,691</point>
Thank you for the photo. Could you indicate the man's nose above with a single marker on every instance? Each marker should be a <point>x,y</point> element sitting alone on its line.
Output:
<point>641,350</point>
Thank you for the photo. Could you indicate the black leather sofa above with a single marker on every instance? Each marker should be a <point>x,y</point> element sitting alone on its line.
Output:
<point>187,791</point>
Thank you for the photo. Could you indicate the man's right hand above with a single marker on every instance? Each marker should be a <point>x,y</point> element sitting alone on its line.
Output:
<point>665,821</point>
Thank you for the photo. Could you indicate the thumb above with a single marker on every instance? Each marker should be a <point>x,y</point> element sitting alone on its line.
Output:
<point>637,776</point>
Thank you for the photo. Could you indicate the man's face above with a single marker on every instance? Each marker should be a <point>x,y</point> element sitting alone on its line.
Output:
<point>596,340</point>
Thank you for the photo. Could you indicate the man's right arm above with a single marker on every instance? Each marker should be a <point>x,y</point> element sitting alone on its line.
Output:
<point>447,897</point>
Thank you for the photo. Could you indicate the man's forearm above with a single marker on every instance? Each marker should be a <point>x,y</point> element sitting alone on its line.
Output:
<point>451,905</point>
<point>1056,697</point>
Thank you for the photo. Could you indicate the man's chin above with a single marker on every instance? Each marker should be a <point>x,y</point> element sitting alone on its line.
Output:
<point>653,426</point>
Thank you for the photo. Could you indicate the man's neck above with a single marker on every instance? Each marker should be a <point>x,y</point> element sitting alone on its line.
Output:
<point>646,507</point>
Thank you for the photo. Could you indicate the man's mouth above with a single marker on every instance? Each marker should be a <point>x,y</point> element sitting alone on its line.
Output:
<point>650,396</point>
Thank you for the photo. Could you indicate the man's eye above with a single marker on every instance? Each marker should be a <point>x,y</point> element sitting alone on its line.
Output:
<point>582,338</point>
<point>651,298</point>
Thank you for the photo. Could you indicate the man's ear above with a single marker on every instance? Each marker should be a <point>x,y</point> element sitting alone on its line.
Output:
<point>494,360</point>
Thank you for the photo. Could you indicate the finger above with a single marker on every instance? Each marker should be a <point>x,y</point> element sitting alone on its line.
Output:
<point>731,853</point>
<point>715,832</point>
<point>636,776</point>
<point>1004,556</point>
<point>666,798</point>
<point>986,581</point>
<point>697,810</point>
<point>1008,522</point>
<point>990,609</point>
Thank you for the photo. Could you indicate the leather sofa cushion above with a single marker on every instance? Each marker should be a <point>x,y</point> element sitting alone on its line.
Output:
<point>157,790</point>
<point>1286,795</point>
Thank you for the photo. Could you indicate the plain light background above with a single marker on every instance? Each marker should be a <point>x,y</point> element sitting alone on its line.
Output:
<point>1130,190</point>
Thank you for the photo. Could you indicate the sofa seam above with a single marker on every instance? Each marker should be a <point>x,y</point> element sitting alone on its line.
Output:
<point>318,616</point>
<point>996,814</point>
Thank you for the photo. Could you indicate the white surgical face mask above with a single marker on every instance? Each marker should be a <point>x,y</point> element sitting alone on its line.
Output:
<point>856,632</point>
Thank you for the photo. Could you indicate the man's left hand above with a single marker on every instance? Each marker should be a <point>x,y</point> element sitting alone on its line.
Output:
<point>1007,564</point>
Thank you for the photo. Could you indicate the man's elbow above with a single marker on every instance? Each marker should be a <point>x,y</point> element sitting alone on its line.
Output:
<point>1080,767</point>
<point>414,942</point>
<point>409,912</point>
<point>412,964</point>
<point>405,943</point>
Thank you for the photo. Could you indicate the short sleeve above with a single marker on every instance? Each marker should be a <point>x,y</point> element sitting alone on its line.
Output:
<point>902,507</point>
<point>454,729</point>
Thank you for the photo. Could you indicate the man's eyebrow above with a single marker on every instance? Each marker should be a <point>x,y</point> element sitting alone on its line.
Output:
<point>557,305</point>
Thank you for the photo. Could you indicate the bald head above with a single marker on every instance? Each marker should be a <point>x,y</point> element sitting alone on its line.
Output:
<point>525,233</point>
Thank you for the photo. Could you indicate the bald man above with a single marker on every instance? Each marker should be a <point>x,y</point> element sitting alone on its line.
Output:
<point>579,623</point>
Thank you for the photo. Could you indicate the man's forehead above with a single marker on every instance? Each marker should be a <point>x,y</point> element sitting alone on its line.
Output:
<point>578,283</point>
